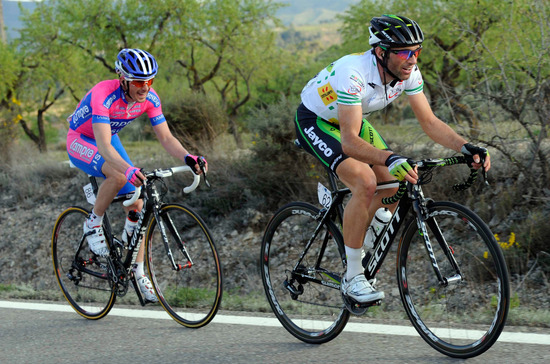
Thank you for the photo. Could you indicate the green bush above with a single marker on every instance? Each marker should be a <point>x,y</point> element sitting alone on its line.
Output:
<point>272,172</point>
<point>195,119</point>
<point>278,170</point>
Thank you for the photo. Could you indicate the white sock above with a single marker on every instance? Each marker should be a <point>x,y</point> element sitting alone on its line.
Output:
<point>354,262</point>
<point>138,270</point>
<point>94,220</point>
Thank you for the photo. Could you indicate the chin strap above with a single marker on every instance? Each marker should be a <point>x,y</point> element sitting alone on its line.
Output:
<point>384,63</point>
<point>126,89</point>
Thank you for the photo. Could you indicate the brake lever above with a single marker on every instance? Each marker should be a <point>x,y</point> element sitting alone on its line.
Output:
<point>202,166</point>
<point>484,173</point>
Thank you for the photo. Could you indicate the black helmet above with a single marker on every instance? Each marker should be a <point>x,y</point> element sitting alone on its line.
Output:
<point>394,31</point>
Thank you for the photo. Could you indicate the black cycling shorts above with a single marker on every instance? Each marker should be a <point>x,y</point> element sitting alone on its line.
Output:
<point>322,138</point>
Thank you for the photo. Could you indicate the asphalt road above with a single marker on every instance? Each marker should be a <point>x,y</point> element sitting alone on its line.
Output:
<point>31,332</point>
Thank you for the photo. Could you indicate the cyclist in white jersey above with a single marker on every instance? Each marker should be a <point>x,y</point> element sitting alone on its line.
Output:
<point>330,125</point>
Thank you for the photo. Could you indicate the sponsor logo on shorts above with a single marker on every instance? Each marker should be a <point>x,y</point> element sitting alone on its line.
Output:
<point>321,145</point>
<point>82,151</point>
<point>336,160</point>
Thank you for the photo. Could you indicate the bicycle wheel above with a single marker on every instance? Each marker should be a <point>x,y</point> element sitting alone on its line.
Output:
<point>185,271</point>
<point>465,317</point>
<point>80,274</point>
<point>305,297</point>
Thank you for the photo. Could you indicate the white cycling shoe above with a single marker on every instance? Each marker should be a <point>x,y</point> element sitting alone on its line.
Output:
<point>96,241</point>
<point>146,289</point>
<point>360,289</point>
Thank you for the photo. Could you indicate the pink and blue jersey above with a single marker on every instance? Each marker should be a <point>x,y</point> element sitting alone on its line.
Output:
<point>106,103</point>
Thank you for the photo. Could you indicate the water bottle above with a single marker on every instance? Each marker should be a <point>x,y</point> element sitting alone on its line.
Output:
<point>129,226</point>
<point>379,221</point>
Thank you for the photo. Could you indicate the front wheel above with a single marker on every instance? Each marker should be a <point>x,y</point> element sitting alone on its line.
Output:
<point>82,276</point>
<point>301,273</point>
<point>184,268</point>
<point>463,313</point>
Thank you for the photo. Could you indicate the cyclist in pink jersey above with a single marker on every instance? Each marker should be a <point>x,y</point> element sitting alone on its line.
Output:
<point>93,144</point>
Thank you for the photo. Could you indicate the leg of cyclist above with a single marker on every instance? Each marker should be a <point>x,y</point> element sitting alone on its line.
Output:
<point>361,180</point>
<point>323,140</point>
<point>116,183</point>
<point>382,175</point>
<point>145,286</point>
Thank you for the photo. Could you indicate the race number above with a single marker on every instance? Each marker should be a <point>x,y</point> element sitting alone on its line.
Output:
<point>89,192</point>
<point>325,197</point>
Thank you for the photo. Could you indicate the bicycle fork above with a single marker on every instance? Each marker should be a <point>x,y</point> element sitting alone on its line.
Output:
<point>161,221</point>
<point>423,220</point>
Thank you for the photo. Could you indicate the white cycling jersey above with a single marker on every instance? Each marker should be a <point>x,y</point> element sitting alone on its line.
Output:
<point>354,80</point>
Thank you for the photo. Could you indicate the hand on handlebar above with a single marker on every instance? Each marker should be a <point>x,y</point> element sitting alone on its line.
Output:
<point>402,168</point>
<point>476,157</point>
<point>197,163</point>
<point>134,176</point>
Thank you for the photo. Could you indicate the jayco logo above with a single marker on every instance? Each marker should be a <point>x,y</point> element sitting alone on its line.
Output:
<point>318,142</point>
<point>83,151</point>
<point>80,113</point>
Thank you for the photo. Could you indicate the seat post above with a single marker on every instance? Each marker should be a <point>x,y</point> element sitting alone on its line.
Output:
<point>93,181</point>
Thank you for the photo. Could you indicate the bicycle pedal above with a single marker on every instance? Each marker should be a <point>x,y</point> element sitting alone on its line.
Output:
<point>358,308</point>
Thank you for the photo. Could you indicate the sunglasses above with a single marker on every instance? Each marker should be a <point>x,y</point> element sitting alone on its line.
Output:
<point>405,54</point>
<point>140,84</point>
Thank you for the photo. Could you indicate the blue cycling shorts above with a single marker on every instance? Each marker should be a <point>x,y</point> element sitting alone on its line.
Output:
<point>84,154</point>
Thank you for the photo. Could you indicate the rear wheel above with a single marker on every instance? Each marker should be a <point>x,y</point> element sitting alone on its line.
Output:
<point>81,275</point>
<point>464,316</point>
<point>305,297</point>
<point>185,270</point>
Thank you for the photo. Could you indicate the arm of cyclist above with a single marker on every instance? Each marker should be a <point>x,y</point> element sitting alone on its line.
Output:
<point>173,146</point>
<point>443,134</point>
<point>102,135</point>
<point>350,118</point>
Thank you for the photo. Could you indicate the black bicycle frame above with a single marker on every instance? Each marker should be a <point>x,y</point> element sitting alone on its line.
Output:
<point>135,242</point>
<point>384,241</point>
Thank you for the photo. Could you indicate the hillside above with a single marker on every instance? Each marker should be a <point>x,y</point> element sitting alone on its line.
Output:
<point>303,12</point>
<point>295,12</point>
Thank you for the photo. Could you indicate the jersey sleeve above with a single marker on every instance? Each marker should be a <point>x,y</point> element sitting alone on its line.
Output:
<point>100,102</point>
<point>415,83</point>
<point>351,87</point>
<point>154,109</point>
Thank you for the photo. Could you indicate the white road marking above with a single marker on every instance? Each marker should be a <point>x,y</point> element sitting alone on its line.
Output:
<point>366,328</point>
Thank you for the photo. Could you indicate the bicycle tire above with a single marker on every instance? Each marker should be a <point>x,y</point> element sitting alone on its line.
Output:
<point>82,278</point>
<point>317,314</point>
<point>464,319</point>
<point>190,295</point>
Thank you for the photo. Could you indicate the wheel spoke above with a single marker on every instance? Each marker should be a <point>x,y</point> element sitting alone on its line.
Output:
<point>185,270</point>
<point>307,301</point>
<point>82,278</point>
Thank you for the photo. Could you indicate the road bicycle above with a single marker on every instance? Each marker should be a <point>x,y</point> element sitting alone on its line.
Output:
<point>181,257</point>
<point>451,273</point>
